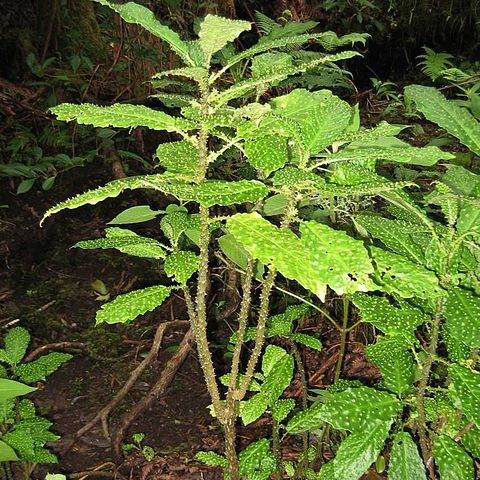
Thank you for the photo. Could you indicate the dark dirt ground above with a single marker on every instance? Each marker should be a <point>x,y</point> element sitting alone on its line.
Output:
<point>46,287</point>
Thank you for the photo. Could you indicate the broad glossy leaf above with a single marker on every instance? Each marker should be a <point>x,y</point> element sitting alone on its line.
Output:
<point>395,362</point>
<point>462,312</point>
<point>178,157</point>
<point>127,242</point>
<point>267,153</point>
<point>216,32</point>
<point>359,450</point>
<point>181,265</point>
<point>465,391</point>
<point>120,116</point>
<point>405,461</point>
<point>16,342</point>
<point>137,214</point>
<point>134,13</point>
<point>458,121</point>
<point>322,256</point>
<point>353,409</point>
<point>321,116</point>
<point>12,389</point>
<point>396,274</point>
<point>130,305</point>
<point>7,453</point>
<point>452,461</point>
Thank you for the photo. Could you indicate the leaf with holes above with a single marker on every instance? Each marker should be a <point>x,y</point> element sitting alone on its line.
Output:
<point>452,461</point>
<point>465,391</point>
<point>127,242</point>
<point>181,266</point>
<point>216,32</point>
<point>120,116</point>
<point>353,409</point>
<point>405,462</point>
<point>178,157</point>
<point>359,450</point>
<point>130,305</point>
<point>462,313</point>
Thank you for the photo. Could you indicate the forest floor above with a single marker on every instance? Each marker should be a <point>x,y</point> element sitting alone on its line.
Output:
<point>46,286</point>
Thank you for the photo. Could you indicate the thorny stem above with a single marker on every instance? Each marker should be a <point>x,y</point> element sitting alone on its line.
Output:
<point>231,401</point>
<point>422,386</point>
<point>343,338</point>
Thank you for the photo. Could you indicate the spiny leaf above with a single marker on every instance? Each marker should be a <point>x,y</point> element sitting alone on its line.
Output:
<point>127,242</point>
<point>456,120</point>
<point>465,391</point>
<point>452,461</point>
<point>216,32</point>
<point>462,312</point>
<point>199,74</point>
<point>120,116</point>
<point>181,265</point>
<point>130,305</point>
<point>16,343</point>
<point>405,462</point>
<point>178,157</point>
<point>134,13</point>
<point>267,153</point>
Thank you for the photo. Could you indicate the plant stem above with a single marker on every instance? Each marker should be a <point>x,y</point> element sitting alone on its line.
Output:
<point>343,338</point>
<point>232,402</point>
<point>276,450</point>
<point>422,386</point>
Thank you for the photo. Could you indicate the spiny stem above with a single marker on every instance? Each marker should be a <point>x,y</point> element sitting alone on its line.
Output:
<point>422,386</point>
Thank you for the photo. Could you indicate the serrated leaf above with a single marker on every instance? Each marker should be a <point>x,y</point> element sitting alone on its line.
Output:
<point>394,361</point>
<point>321,116</point>
<point>353,409</point>
<point>253,408</point>
<point>178,157</point>
<point>458,121</point>
<point>120,116</point>
<point>462,313</point>
<point>452,461</point>
<point>307,340</point>
<point>16,342</point>
<point>130,305</point>
<point>278,378</point>
<point>134,13</point>
<point>174,224</point>
<point>398,275</point>
<point>465,391</point>
<point>281,408</point>
<point>250,459</point>
<point>12,389</point>
<point>127,242</point>
<point>211,458</point>
<point>282,323</point>
<point>359,450</point>
<point>267,153</point>
<point>198,74</point>
<point>216,32</point>
<point>42,367</point>
<point>137,214</point>
<point>405,462</point>
<point>181,265</point>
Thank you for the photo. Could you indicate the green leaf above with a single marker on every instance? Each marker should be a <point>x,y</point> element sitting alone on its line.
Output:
<point>275,205</point>
<point>198,74</point>
<point>127,242</point>
<point>41,368</point>
<point>178,157</point>
<point>353,409</point>
<point>458,121</point>
<point>130,305</point>
<point>16,343</point>
<point>120,116</point>
<point>216,32</point>
<point>181,265</point>
<point>465,391</point>
<point>137,214</point>
<point>405,462</point>
<point>253,408</point>
<point>394,361</point>
<point>134,13</point>
<point>282,323</point>
<point>25,185</point>
<point>462,313</point>
<point>211,458</point>
<point>281,409</point>
<point>267,153</point>
<point>398,275</point>
<point>7,454</point>
<point>251,458</point>
<point>452,461</point>
<point>174,224</point>
<point>359,450</point>
<point>307,340</point>
<point>12,389</point>
<point>343,263</point>
<point>321,116</point>
<point>278,376</point>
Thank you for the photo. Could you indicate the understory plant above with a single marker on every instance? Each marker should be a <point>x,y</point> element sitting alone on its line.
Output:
<point>275,180</point>
<point>23,434</point>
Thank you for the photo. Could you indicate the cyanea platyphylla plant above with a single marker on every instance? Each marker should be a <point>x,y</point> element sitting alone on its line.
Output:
<point>315,169</point>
